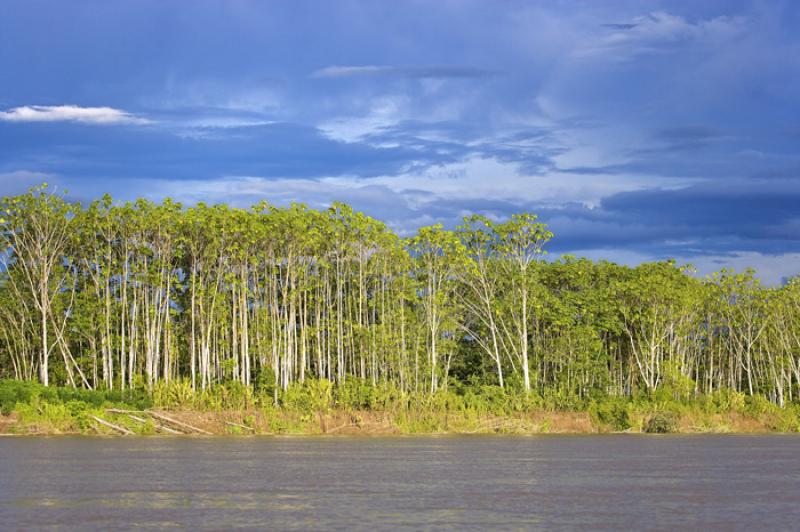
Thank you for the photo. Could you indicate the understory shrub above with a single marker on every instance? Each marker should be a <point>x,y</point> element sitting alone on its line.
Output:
<point>662,422</point>
<point>611,412</point>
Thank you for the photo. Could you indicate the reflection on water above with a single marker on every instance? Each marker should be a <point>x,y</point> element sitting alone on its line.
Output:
<point>611,482</point>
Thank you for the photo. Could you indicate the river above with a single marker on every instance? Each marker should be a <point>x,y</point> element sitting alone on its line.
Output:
<point>283,483</point>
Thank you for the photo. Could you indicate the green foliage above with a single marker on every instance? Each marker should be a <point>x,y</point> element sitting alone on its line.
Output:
<point>265,382</point>
<point>724,400</point>
<point>298,397</point>
<point>460,407</point>
<point>221,308</point>
<point>26,392</point>
<point>359,394</point>
<point>776,418</point>
<point>675,382</point>
<point>63,409</point>
<point>180,395</point>
<point>662,423</point>
<point>175,394</point>
<point>13,392</point>
<point>612,412</point>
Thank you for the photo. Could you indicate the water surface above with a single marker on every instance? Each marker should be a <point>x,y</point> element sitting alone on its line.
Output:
<point>596,482</point>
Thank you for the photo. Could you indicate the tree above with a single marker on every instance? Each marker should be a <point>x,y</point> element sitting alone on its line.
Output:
<point>480,298</point>
<point>35,236</point>
<point>521,242</point>
<point>438,258</point>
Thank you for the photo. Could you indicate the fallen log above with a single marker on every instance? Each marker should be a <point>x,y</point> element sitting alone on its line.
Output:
<point>165,428</point>
<point>157,426</point>
<point>232,424</point>
<point>161,417</point>
<point>179,423</point>
<point>105,423</point>
<point>121,411</point>
<point>340,427</point>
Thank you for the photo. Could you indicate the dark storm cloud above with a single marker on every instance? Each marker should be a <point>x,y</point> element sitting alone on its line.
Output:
<point>280,150</point>
<point>676,121</point>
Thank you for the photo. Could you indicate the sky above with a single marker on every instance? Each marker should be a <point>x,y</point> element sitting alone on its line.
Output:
<point>637,130</point>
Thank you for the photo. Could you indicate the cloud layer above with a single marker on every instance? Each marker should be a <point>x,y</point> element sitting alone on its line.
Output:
<point>70,113</point>
<point>413,72</point>
<point>637,130</point>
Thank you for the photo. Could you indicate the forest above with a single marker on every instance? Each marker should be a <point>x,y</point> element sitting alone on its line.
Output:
<point>137,295</point>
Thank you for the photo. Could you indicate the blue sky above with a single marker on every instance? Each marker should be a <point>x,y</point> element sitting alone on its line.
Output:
<point>637,130</point>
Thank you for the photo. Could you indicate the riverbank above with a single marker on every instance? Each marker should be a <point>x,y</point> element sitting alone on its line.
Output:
<point>362,423</point>
<point>279,422</point>
<point>27,408</point>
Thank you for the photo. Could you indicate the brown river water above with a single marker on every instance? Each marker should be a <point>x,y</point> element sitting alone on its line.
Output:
<point>617,482</point>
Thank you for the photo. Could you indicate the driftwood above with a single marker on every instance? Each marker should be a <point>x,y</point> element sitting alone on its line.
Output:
<point>232,424</point>
<point>495,425</point>
<point>105,423</point>
<point>130,413</point>
<point>335,429</point>
<point>165,428</point>
<point>176,422</point>
<point>158,426</point>
<point>163,418</point>
<point>360,425</point>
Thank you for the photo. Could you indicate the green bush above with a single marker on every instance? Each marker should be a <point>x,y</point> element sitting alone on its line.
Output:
<point>662,423</point>
<point>173,394</point>
<point>354,394</point>
<point>611,412</point>
<point>298,397</point>
<point>758,405</point>
<point>78,411</point>
<point>13,392</point>
<point>561,399</point>
<point>265,382</point>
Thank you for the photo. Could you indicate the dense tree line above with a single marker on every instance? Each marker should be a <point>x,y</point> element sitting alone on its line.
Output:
<point>127,296</point>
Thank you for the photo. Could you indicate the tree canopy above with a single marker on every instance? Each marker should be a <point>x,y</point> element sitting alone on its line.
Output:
<point>125,296</point>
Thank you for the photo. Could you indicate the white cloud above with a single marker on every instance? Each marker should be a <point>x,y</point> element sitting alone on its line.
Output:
<point>383,112</point>
<point>412,72</point>
<point>213,127</point>
<point>70,113</point>
<point>481,178</point>
<point>345,71</point>
<point>371,116</point>
<point>770,269</point>
<point>395,208</point>
<point>653,32</point>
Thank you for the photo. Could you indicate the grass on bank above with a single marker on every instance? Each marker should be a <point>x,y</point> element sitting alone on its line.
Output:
<point>319,407</point>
